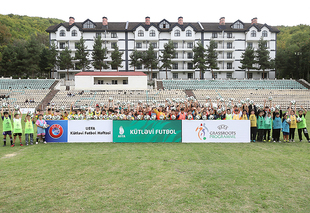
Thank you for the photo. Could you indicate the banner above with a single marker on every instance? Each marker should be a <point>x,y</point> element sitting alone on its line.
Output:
<point>147,131</point>
<point>90,131</point>
<point>26,110</point>
<point>57,131</point>
<point>216,131</point>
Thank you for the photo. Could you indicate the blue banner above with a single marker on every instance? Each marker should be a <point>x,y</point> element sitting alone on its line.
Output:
<point>57,131</point>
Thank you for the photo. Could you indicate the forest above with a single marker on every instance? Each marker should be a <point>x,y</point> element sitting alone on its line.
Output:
<point>25,51</point>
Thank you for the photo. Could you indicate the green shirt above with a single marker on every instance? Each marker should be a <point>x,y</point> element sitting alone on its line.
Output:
<point>260,122</point>
<point>302,124</point>
<point>29,127</point>
<point>6,124</point>
<point>17,125</point>
<point>268,122</point>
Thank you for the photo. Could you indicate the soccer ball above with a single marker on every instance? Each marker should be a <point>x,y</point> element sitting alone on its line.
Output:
<point>208,98</point>
<point>105,117</point>
<point>204,117</point>
<point>288,120</point>
<point>161,117</point>
<point>139,117</point>
<point>45,126</point>
<point>129,117</point>
<point>16,107</point>
<point>247,100</point>
<point>114,117</point>
<point>189,117</point>
<point>173,117</point>
<point>110,99</point>
<point>4,105</point>
<point>88,117</point>
<point>69,117</point>
<point>293,102</point>
<point>153,117</point>
<point>270,98</point>
<point>219,111</point>
<point>96,117</point>
<point>211,117</point>
<point>147,117</point>
<point>272,109</point>
<point>251,102</point>
<point>197,117</point>
<point>299,119</point>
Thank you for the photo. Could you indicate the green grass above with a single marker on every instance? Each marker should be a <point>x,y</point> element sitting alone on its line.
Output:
<point>155,177</point>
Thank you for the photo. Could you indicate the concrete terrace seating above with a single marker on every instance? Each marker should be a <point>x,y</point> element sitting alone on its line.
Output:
<point>231,84</point>
<point>23,84</point>
<point>90,98</point>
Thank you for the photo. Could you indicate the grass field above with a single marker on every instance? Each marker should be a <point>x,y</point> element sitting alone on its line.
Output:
<point>155,177</point>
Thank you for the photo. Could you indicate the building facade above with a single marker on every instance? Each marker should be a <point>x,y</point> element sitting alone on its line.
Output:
<point>231,38</point>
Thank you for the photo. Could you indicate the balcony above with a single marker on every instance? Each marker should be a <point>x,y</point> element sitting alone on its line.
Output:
<point>224,37</point>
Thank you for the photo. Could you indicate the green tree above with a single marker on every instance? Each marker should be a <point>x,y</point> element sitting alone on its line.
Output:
<point>167,54</point>
<point>44,61</point>
<point>34,49</point>
<point>8,60</point>
<point>211,57</point>
<point>199,58</point>
<point>81,55</point>
<point>262,55</point>
<point>136,59</point>
<point>248,59</point>
<point>52,60</point>
<point>99,55</point>
<point>149,60</point>
<point>116,57</point>
<point>65,60</point>
<point>21,60</point>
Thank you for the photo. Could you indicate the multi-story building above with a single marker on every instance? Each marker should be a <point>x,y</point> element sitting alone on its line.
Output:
<point>231,38</point>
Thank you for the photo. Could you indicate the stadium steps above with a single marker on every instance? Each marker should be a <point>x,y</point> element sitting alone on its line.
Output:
<point>54,85</point>
<point>160,85</point>
<point>190,93</point>
<point>48,98</point>
<point>304,83</point>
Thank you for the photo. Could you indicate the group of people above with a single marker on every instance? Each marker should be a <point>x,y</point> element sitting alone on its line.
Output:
<point>267,121</point>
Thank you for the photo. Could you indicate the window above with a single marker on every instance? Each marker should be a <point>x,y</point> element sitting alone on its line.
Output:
<point>238,25</point>
<point>229,45</point>
<point>264,75</point>
<point>176,55</point>
<point>266,44</point>
<point>229,75</point>
<point>175,75</point>
<point>175,66</point>
<point>76,45</point>
<point>114,81</point>
<point>98,35</point>
<point>189,75</point>
<point>175,45</point>
<point>265,33</point>
<point>250,75</point>
<point>62,45</point>
<point>154,45</point>
<point>88,24</point>
<point>164,25</point>
<point>189,55</point>
<point>154,75</point>
<point>152,33</point>
<point>74,33</point>
<point>253,33</point>
<point>139,45</point>
<point>139,67</point>
<point>113,44</point>
<point>190,45</point>
<point>214,35</point>
<point>229,35</point>
<point>215,45</point>
<point>100,81</point>
<point>250,44</point>
<point>188,33</point>
<point>190,66</point>
<point>62,33</point>
<point>125,81</point>
<point>113,35</point>
<point>177,33</point>
<point>140,33</point>
<point>214,74</point>
<point>229,65</point>
<point>62,75</point>
<point>229,55</point>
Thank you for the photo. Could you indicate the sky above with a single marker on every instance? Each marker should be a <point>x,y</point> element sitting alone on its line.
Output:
<point>271,12</point>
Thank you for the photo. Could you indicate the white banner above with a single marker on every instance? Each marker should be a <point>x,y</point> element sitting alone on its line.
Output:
<point>215,131</point>
<point>90,131</point>
<point>26,110</point>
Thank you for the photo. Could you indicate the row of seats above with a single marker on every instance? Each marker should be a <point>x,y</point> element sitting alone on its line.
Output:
<point>231,84</point>
<point>22,84</point>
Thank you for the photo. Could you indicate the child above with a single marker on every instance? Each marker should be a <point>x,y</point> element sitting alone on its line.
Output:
<point>253,120</point>
<point>293,123</point>
<point>277,125</point>
<point>228,115</point>
<point>6,125</point>
<point>29,129</point>
<point>260,126</point>
<point>285,128</point>
<point>302,125</point>
<point>17,130</point>
<point>40,130</point>
<point>244,115</point>
<point>268,125</point>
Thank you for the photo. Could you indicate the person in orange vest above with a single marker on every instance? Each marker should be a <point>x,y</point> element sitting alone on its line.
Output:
<point>182,115</point>
<point>159,112</point>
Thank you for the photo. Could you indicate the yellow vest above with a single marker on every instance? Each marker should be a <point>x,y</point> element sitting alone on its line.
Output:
<point>236,117</point>
<point>293,123</point>
<point>253,120</point>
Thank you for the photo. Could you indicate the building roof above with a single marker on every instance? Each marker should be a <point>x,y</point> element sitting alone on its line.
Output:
<point>138,73</point>
<point>132,26</point>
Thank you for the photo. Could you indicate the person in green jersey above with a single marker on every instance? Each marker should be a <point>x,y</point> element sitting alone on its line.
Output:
<point>302,124</point>
<point>7,125</point>
<point>260,125</point>
<point>29,129</point>
<point>17,128</point>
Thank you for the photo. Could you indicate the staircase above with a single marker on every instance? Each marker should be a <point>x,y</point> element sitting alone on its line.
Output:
<point>47,99</point>
<point>304,83</point>
<point>160,85</point>
<point>190,93</point>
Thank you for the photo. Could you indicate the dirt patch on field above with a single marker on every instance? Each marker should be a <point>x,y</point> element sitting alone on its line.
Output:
<point>9,155</point>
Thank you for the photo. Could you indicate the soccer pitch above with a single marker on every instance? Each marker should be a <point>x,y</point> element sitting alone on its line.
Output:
<point>155,177</point>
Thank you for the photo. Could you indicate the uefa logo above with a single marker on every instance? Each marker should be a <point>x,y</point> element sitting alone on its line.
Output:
<point>55,131</point>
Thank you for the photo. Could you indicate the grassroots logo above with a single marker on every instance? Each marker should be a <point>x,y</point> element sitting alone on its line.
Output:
<point>56,131</point>
<point>202,131</point>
